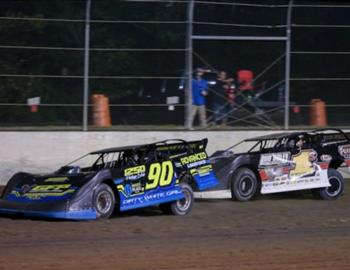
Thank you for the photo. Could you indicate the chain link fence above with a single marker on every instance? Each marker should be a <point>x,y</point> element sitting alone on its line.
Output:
<point>137,53</point>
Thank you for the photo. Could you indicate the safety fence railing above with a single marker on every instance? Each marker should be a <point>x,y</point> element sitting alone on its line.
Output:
<point>148,87</point>
<point>164,116</point>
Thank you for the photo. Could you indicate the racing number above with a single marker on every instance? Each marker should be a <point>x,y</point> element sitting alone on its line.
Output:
<point>160,174</point>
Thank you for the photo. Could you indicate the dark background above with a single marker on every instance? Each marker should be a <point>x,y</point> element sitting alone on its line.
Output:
<point>227,55</point>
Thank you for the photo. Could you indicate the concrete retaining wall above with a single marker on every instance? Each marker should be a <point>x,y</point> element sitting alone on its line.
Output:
<point>47,151</point>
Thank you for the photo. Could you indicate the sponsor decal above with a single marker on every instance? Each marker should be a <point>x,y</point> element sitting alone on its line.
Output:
<point>197,164</point>
<point>280,181</point>
<point>50,188</point>
<point>344,151</point>
<point>326,158</point>
<point>56,179</point>
<point>127,189</point>
<point>194,158</point>
<point>137,187</point>
<point>147,198</point>
<point>276,165</point>
<point>303,162</point>
<point>43,191</point>
<point>134,173</point>
<point>312,156</point>
<point>179,147</point>
<point>303,173</point>
<point>274,159</point>
<point>323,165</point>
<point>202,171</point>
<point>274,173</point>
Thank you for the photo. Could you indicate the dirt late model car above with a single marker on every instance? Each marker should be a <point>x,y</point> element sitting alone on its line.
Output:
<point>280,163</point>
<point>123,178</point>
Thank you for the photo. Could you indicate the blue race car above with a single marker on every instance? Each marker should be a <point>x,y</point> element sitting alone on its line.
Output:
<point>123,178</point>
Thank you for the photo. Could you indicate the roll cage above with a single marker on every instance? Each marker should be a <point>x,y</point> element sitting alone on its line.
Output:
<point>128,156</point>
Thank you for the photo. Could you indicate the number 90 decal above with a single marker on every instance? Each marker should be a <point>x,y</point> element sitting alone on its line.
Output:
<point>160,174</point>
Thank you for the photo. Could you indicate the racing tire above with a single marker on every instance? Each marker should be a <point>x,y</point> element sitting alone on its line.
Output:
<point>244,185</point>
<point>335,190</point>
<point>104,201</point>
<point>180,207</point>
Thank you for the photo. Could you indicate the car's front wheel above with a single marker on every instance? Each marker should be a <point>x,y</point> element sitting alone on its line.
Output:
<point>244,184</point>
<point>104,201</point>
<point>180,207</point>
<point>335,189</point>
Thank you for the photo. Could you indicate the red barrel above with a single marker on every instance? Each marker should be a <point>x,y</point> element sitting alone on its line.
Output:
<point>318,115</point>
<point>100,111</point>
<point>245,79</point>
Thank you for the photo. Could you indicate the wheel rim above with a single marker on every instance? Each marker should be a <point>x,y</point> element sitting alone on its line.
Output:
<point>246,186</point>
<point>335,187</point>
<point>104,202</point>
<point>184,203</point>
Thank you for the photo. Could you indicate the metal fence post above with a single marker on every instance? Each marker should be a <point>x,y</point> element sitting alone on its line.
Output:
<point>288,60</point>
<point>189,65</point>
<point>86,66</point>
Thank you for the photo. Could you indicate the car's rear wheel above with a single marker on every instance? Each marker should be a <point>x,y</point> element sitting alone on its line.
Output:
<point>104,201</point>
<point>332,192</point>
<point>180,207</point>
<point>243,185</point>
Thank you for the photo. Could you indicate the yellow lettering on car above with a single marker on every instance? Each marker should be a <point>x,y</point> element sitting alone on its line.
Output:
<point>193,158</point>
<point>153,175</point>
<point>135,170</point>
<point>42,188</point>
<point>167,173</point>
<point>160,174</point>
<point>38,195</point>
<point>56,179</point>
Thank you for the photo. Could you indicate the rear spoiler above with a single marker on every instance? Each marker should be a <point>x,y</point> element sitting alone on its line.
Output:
<point>338,130</point>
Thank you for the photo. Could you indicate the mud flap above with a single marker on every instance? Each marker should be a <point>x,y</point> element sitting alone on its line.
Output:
<point>205,181</point>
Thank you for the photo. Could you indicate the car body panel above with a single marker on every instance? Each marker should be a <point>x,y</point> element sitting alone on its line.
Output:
<point>289,172</point>
<point>140,176</point>
<point>283,165</point>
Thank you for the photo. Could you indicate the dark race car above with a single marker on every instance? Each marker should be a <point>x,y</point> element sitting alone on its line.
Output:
<point>282,162</point>
<point>122,178</point>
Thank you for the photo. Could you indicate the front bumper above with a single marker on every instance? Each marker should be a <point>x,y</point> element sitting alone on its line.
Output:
<point>44,210</point>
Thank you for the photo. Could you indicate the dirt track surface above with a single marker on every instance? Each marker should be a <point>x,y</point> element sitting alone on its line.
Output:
<point>272,232</point>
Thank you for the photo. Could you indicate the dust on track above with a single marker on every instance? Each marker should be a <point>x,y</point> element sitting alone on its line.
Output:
<point>290,231</point>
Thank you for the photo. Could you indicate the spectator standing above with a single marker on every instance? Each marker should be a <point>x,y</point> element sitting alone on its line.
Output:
<point>199,93</point>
